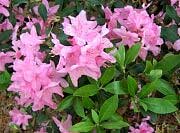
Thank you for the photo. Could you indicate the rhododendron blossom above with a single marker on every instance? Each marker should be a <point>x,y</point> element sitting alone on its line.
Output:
<point>19,118</point>
<point>6,25</point>
<point>50,10</point>
<point>86,55</point>
<point>137,26</point>
<point>64,126</point>
<point>4,59</point>
<point>29,43</point>
<point>144,127</point>
<point>36,82</point>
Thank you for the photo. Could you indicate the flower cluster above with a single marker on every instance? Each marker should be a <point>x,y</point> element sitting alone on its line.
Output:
<point>86,54</point>
<point>19,118</point>
<point>63,126</point>
<point>136,26</point>
<point>144,127</point>
<point>3,5</point>
<point>38,79</point>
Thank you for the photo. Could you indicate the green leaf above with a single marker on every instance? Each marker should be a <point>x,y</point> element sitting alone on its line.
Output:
<point>115,87</point>
<point>59,2</point>
<point>148,88</point>
<point>120,56</point>
<point>172,98</point>
<point>168,63</point>
<point>67,11</point>
<point>65,103</point>
<point>143,105</point>
<point>116,117</point>
<point>164,87</point>
<point>149,67</point>
<point>132,85</point>
<point>18,2</point>
<point>68,90</point>
<point>41,117</point>
<point>132,53</point>
<point>95,116</point>
<point>94,2</point>
<point>5,80</point>
<point>5,35</point>
<point>170,33</point>
<point>86,91</point>
<point>87,102</point>
<point>114,125</point>
<point>83,127</point>
<point>108,75</point>
<point>159,105</point>
<point>108,108</point>
<point>42,11</point>
<point>78,107</point>
<point>171,12</point>
<point>155,74</point>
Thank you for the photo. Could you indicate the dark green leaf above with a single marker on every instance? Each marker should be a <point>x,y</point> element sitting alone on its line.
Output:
<point>108,108</point>
<point>115,87</point>
<point>78,107</point>
<point>94,2</point>
<point>5,35</point>
<point>42,11</point>
<point>148,88</point>
<point>171,12</point>
<point>168,63</point>
<point>132,85</point>
<point>164,87</point>
<point>83,127</point>
<point>67,11</point>
<point>59,2</point>
<point>5,80</point>
<point>18,2</point>
<point>115,125</point>
<point>149,67</point>
<point>132,53</point>
<point>170,33</point>
<point>108,75</point>
<point>86,91</point>
<point>87,102</point>
<point>116,117</point>
<point>69,90</point>
<point>65,103</point>
<point>159,106</point>
<point>120,56</point>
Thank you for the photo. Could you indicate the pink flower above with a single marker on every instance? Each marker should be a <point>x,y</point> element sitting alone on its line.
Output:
<point>175,1</point>
<point>144,127</point>
<point>4,11</point>
<point>36,82</point>
<point>128,38</point>
<point>80,28</point>
<point>19,118</point>
<point>6,25</point>
<point>136,26</point>
<point>4,59</point>
<point>176,45</point>
<point>5,2</point>
<point>29,43</point>
<point>31,38</point>
<point>50,10</point>
<point>82,60</point>
<point>42,130</point>
<point>64,126</point>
